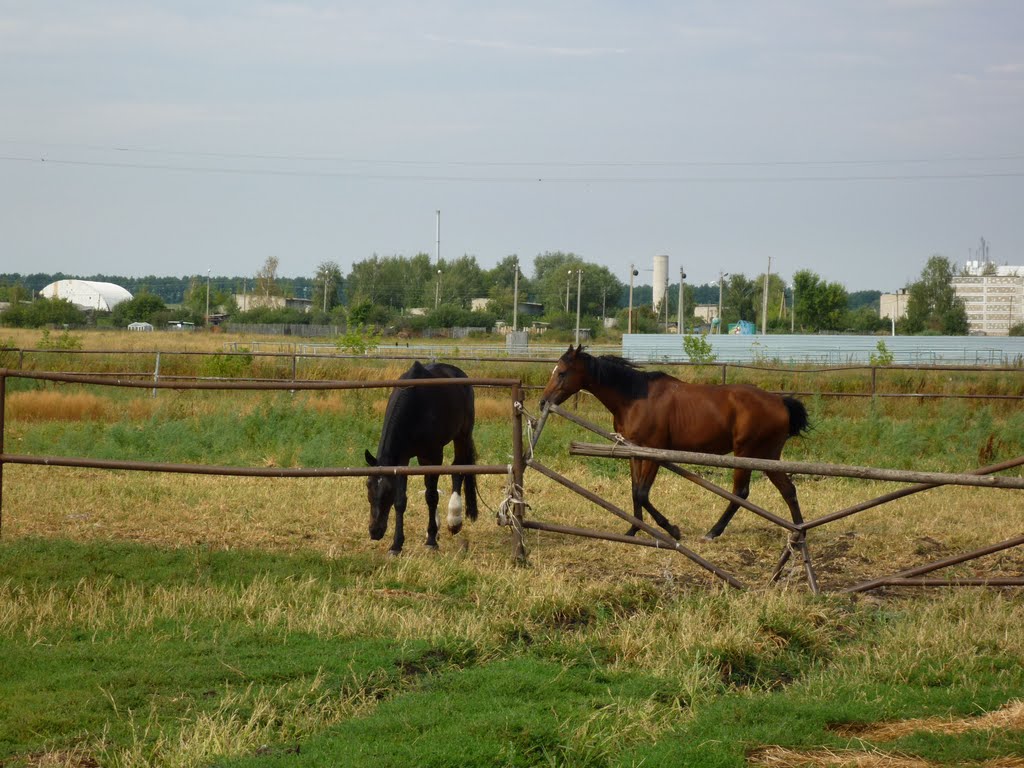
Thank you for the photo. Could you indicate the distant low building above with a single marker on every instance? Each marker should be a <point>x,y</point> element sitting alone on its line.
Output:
<point>87,294</point>
<point>250,301</point>
<point>705,312</point>
<point>893,306</point>
<point>140,326</point>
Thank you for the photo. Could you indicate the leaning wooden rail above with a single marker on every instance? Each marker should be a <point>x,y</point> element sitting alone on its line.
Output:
<point>796,467</point>
<point>926,480</point>
<point>515,468</point>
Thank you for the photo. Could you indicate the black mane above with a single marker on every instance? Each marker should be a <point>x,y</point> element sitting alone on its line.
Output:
<point>620,374</point>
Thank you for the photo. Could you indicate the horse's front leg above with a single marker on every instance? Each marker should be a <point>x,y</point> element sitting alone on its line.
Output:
<point>401,500</point>
<point>637,496</point>
<point>399,540</point>
<point>432,496</point>
<point>646,473</point>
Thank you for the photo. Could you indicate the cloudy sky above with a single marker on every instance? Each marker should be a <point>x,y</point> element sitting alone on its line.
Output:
<point>852,137</point>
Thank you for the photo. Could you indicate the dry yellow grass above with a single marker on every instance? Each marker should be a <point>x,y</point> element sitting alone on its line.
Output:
<point>48,405</point>
<point>779,757</point>
<point>330,516</point>
<point>1008,718</point>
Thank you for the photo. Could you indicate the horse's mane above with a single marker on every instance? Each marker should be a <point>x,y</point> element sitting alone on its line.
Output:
<point>620,374</point>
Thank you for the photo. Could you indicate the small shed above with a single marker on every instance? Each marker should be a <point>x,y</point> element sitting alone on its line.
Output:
<point>140,326</point>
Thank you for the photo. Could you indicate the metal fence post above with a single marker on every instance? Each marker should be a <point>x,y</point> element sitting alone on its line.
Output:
<point>3,407</point>
<point>519,552</point>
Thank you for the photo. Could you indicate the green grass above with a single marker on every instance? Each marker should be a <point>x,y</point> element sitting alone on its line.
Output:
<point>134,655</point>
<point>275,428</point>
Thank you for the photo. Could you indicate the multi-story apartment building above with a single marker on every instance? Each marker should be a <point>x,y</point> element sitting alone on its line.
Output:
<point>993,295</point>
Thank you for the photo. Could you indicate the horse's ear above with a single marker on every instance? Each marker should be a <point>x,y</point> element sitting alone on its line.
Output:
<point>578,349</point>
<point>570,352</point>
<point>370,461</point>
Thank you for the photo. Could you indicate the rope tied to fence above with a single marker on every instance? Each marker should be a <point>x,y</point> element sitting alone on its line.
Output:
<point>514,494</point>
<point>531,426</point>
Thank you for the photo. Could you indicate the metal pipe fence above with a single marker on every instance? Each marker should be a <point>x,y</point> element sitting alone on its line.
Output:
<point>514,469</point>
<point>295,358</point>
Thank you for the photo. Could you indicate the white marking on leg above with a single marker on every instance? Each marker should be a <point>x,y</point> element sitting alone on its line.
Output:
<point>455,513</point>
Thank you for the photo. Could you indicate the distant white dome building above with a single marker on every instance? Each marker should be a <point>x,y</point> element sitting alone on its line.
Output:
<point>87,294</point>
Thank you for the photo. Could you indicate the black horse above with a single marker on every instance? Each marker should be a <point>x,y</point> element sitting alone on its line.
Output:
<point>420,421</point>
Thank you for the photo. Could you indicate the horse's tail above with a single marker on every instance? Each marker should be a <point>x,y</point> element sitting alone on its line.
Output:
<point>469,486</point>
<point>798,421</point>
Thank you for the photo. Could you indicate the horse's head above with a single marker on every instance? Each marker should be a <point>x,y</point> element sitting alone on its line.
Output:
<point>381,491</point>
<point>567,377</point>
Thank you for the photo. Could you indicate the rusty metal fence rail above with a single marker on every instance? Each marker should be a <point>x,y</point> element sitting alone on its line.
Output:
<point>292,360</point>
<point>514,469</point>
<point>797,532</point>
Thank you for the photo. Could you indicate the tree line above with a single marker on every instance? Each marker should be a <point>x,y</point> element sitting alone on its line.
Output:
<point>417,292</point>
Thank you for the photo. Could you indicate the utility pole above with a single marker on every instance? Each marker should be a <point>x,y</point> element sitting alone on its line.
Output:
<point>568,277</point>
<point>629,322</point>
<point>721,275</point>
<point>792,315</point>
<point>207,297</point>
<point>579,285</point>
<point>682,280</point>
<point>437,290</point>
<point>515,298</point>
<point>764,301</point>
<point>437,251</point>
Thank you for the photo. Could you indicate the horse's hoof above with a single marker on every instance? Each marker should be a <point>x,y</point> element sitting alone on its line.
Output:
<point>394,552</point>
<point>709,536</point>
<point>632,531</point>
<point>454,529</point>
<point>432,546</point>
<point>673,531</point>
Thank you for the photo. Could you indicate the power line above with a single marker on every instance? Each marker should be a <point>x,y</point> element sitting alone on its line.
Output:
<point>595,163</point>
<point>531,179</point>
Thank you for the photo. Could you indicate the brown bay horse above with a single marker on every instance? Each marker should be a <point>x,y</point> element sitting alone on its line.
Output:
<point>655,410</point>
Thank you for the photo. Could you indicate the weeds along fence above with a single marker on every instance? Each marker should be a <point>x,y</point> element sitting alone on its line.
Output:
<point>796,544</point>
<point>278,361</point>
<point>514,470</point>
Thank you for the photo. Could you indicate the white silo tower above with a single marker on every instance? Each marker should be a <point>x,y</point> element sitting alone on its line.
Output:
<point>660,282</point>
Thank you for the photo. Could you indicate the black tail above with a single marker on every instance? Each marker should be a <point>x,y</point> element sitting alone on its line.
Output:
<point>798,421</point>
<point>470,488</point>
<point>469,485</point>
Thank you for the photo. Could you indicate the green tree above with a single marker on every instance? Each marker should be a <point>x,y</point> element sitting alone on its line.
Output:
<point>266,279</point>
<point>460,282</point>
<point>43,312</point>
<point>740,299</point>
<point>820,306</point>
<point>554,279</point>
<point>933,305</point>
<point>145,307</point>
<point>327,285</point>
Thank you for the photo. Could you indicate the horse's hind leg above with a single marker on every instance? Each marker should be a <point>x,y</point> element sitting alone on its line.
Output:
<point>741,488</point>
<point>785,485</point>
<point>465,453</point>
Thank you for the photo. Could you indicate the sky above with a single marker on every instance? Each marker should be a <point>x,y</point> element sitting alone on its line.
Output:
<point>855,138</point>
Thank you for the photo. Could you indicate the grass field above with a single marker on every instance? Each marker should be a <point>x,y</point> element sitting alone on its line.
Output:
<point>151,619</point>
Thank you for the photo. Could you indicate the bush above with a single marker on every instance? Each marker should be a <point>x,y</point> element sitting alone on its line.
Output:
<point>64,341</point>
<point>358,340</point>
<point>698,348</point>
<point>43,312</point>
<point>883,356</point>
